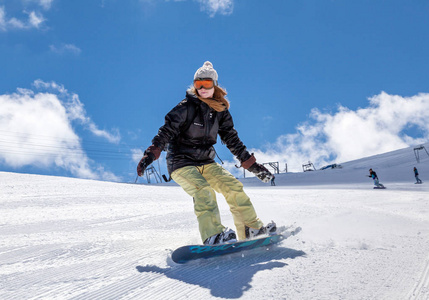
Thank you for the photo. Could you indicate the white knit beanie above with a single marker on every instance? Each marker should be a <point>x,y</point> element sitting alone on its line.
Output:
<point>206,71</point>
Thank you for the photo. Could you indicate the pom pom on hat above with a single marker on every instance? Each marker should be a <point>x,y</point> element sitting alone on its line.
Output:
<point>206,71</point>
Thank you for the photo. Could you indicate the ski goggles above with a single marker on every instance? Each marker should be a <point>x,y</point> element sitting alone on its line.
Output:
<point>206,83</point>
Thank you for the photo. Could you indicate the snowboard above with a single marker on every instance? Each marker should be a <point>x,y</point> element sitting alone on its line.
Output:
<point>191,252</point>
<point>379,187</point>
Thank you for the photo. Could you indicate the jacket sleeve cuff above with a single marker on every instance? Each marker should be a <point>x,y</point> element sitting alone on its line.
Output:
<point>154,150</point>
<point>249,162</point>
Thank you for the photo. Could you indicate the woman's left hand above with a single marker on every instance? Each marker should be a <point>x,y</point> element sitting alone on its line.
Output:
<point>261,172</point>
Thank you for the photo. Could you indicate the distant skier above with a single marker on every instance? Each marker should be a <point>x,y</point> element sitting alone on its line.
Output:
<point>416,174</point>
<point>272,181</point>
<point>190,159</point>
<point>374,176</point>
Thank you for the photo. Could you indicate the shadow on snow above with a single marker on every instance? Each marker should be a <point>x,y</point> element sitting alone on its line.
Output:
<point>226,276</point>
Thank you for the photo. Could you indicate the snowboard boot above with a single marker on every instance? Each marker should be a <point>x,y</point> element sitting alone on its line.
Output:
<point>226,236</point>
<point>270,229</point>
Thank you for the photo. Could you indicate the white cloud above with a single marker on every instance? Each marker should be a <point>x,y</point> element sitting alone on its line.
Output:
<point>34,18</point>
<point>113,137</point>
<point>212,7</point>
<point>15,24</point>
<point>2,19</point>
<point>45,4</point>
<point>136,155</point>
<point>36,128</point>
<point>347,135</point>
<point>76,111</point>
<point>65,48</point>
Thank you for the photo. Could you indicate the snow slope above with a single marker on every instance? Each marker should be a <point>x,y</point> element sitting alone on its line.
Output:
<point>68,238</point>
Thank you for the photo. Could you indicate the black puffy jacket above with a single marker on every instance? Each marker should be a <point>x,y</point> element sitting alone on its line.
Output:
<point>192,144</point>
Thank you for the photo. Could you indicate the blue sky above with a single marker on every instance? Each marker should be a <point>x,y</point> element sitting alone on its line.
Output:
<point>85,85</point>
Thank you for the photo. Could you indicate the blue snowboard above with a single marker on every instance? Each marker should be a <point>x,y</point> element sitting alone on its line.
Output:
<point>191,252</point>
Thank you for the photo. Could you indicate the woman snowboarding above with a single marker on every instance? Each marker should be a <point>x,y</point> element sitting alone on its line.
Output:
<point>189,133</point>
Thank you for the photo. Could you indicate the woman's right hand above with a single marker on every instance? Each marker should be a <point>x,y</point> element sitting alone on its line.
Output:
<point>146,160</point>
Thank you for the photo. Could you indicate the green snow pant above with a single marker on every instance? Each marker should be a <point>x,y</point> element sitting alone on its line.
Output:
<point>201,183</point>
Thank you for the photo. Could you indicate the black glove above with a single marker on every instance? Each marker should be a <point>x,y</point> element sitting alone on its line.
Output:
<point>261,172</point>
<point>147,159</point>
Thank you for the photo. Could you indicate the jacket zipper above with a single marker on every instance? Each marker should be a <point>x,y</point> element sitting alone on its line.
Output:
<point>206,124</point>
